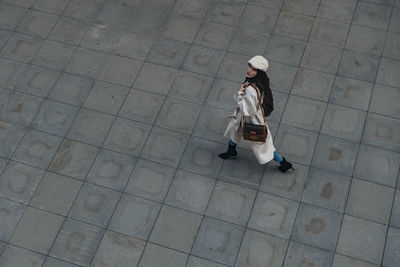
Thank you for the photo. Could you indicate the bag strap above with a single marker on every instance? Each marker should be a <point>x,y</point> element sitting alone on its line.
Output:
<point>259,102</point>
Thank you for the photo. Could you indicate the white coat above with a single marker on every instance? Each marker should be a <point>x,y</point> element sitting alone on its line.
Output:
<point>247,105</point>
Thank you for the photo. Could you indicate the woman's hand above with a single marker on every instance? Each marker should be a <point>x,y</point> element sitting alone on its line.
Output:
<point>244,86</point>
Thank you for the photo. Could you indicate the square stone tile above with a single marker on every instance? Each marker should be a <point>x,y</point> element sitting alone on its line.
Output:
<point>118,249</point>
<point>84,10</point>
<point>101,37</point>
<point>361,205</point>
<point>52,262</point>
<point>4,36</point>
<point>337,10</point>
<point>190,191</point>
<point>203,60</point>
<point>246,42</point>
<point>10,72</point>
<point>366,40</point>
<point>76,242</point>
<point>231,203</point>
<point>395,216</point>
<point>321,58</point>
<point>317,227</point>
<point>214,35</point>
<point>54,55</point>
<point>164,146</point>
<point>191,8</point>
<point>199,262</point>
<point>372,15</point>
<point>391,257</point>
<point>293,25</point>
<point>94,205</point>
<point>37,23</point>
<point>121,70</point>
<point>168,52</point>
<point>218,241</point>
<point>282,76</point>
<point>276,4</point>
<point>222,95</point>
<point>258,19</point>
<point>308,7</point>
<point>334,154</point>
<point>73,159</point>
<point>296,144</point>
<point>351,93</point>
<point>285,50</point>
<point>14,256</point>
<point>201,157</point>
<point>377,165</point>
<point>111,169</point>
<point>11,16</point>
<point>304,113</point>
<point>258,249</point>
<point>155,78</point>
<point>384,101</point>
<point>10,137</point>
<point>127,136</point>
<point>157,256</point>
<point>3,163</point>
<point>343,261</point>
<point>329,32</point>
<point>362,239</point>
<point>56,6</point>
<point>150,180</point>
<point>87,63</point>
<point>37,149</point>
<point>71,89</point>
<point>175,229</point>
<point>2,246</point>
<point>326,190</point>
<point>132,45</point>
<point>388,72</point>
<point>344,122</point>
<point>233,68</point>
<point>180,28</point>
<point>90,127</point>
<point>273,215</point>
<point>382,131</point>
<point>313,84</point>
<point>228,13</point>
<point>394,20</point>
<point>359,66</point>
<point>37,230</point>
<point>68,30</point>
<point>37,81</point>
<point>10,212</point>
<point>21,47</point>
<point>18,182</point>
<point>299,254</point>
<point>55,193</point>
<point>134,216</point>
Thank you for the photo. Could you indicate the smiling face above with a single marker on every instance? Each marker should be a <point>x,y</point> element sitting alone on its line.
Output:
<point>251,71</point>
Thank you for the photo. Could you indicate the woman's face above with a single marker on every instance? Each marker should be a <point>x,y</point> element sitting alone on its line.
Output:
<point>251,71</point>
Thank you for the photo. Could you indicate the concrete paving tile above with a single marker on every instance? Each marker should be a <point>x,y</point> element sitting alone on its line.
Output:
<point>231,203</point>
<point>201,157</point>
<point>37,230</point>
<point>55,193</point>
<point>392,43</point>
<point>111,169</point>
<point>351,93</point>
<point>395,216</point>
<point>377,165</point>
<point>121,70</point>
<point>150,180</point>
<point>88,63</point>
<point>214,35</point>
<point>395,21</point>
<point>362,239</point>
<point>321,58</point>
<point>157,256</point>
<point>11,213</point>
<point>164,146</point>
<point>84,10</point>
<point>3,163</point>
<point>56,6</point>
<point>282,76</point>
<point>366,40</point>
<point>168,52</point>
<point>359,65</point>
<point>211,124</point>
<point>100,37</point>
<point>114,14</point>
<point>337,10</point>
<point>52,262</point>
<point>248,43</point>
<point>134,216</point>
<point>11,16</point>
<point>2,247</point>
<point>37,149</point>
<point>21,47</point>
<point>10,136</point>
<point>37,23</point>
<point>313,84</point>
<point>361,205</point>
<point>18,182</point>
<point>180,28</point>
<point>372,15</point>
<point>71,89</point>
<point>126,136</point>
<point>299,254</point>
<point>152,4</point>
<point>382,131</point>
<point>273,250</point>
<point>326,189</point>
<point>276,4</point>
<point>22,3</point>
<point>308,7</point>
<point>155,78</point>
<point>54,55</point>
<point>4,36</point>
<point>191,8</point>
<point>68,30</point>
<point>37,81</point>
<point>94,205</point>
<point>280,100</point>
<point>190,191</point>
<point>304,113</point>
<point>14,256</point>
<point>258,19</point>
<point>134,46</point>
<point>106,97</point>
<point>10,71</point>
<point>391,257</point>
<point>334,154</point>
<point>73,159</point>
<point>317,227</point>
<point>294,25</point>
<point>285,50</point>
<point>218,241</point>
<point>343,261</point>
<point>203,60</point>
<point>199,262</point>
<point>228,13</point>
<point>387,73</point>
<point>76,242</point>
<point>222,94</point>
<point>273,215</point>
<point>288,185</point>
<point>118,249</point>
<point>328,32</point>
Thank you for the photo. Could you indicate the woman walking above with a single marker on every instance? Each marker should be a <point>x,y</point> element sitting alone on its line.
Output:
<point>254,90</point>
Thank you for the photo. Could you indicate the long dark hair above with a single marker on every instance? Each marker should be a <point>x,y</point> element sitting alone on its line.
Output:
<point>262,82</point>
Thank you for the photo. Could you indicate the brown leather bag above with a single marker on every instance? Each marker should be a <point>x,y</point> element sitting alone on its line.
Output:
<point>255,132</point>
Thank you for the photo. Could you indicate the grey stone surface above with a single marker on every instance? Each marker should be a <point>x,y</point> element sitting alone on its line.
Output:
<point>329,32</point>
<point>14,256</point>
<point>282,76</point>
<point>168,52</point>
<point>203,60</point>
<point>37,81</point>
<point>11,16</point>
<point>365,40</point>
<point>120,70</point>
<point>391,257</point>
<point>395,216</point>
<point>343,261</point>
<point>87,63</point>
<point>244,42</point>
<point>313,84</point>
<point>222,93</point>
<point>157,256</point>
<point>214,35</point>
<point>384,101</point>
<point>308,7</point>
<point>299,254</point>
<point>192,8</point>
<point>359,65</point>
<point>155,78</point>
<point>10,70</point>
<point>10,136</point>
<point>37,23</point>
<point>233,67</point>
<point>21,47</point>
<point>199,262</point>
<point>68,30</point>
<point>53,262</point>
<point>11,213</point>
<point>285,50</point>
<point>387,73</point>
<point>180,28</point>
<point>394,25</point>
<point>259,19</point>
<point>293,25</point>
<point>54,55</point>
<point>133,45</point>
<point>372,15</point>
<point>321,58</point>
<point>100,37</point>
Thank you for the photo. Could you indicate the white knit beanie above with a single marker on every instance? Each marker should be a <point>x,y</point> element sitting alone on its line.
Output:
<point>259,62</point>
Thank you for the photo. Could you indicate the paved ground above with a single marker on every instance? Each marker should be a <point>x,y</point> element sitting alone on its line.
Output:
<point>112,114</point>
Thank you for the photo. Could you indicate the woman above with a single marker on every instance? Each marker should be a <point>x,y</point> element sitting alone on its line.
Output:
<point>248,106</point>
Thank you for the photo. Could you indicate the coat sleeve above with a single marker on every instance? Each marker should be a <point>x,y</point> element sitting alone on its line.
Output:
<point>247,101</point>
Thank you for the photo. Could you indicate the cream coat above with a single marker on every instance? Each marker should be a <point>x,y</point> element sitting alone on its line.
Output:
<point>247,105</point>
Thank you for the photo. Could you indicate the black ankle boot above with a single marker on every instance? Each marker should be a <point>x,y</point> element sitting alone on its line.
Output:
<point>285,165</point>
<point>231,152</point>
